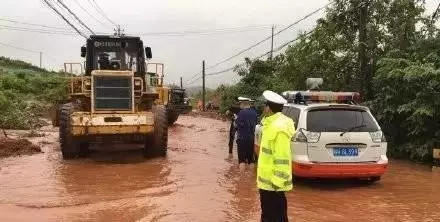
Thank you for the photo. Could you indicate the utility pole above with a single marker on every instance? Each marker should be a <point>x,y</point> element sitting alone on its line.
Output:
<point>181,82</point>
<point>271,45</point>
<point>362,55</point>
<point>119,31</point>
<point>203,85</point>
<point>41,59</point>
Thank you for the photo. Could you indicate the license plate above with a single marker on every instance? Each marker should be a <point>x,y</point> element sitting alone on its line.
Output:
<point>345,151</point>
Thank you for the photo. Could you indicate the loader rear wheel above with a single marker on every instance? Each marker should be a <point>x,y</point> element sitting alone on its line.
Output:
<point>158,141</point>
<point>172,118</point>
<point>71,147</point>
<point>55,115</point>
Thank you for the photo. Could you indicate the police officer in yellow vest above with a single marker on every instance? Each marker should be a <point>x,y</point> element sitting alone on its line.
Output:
<point>274,172</point>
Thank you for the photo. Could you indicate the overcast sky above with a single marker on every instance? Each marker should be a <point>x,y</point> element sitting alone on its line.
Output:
<point>228,25</point>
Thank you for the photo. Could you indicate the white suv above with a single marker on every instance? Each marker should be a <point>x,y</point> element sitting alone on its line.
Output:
<point>334,140</point>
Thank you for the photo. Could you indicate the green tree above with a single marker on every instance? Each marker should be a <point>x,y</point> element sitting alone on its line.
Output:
<point>399,78</point>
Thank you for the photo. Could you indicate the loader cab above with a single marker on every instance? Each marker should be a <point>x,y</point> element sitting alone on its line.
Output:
<point>119,53</point>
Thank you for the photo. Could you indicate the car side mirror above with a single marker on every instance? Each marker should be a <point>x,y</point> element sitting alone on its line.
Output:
<point>148,53</point>
<point>83,51</point>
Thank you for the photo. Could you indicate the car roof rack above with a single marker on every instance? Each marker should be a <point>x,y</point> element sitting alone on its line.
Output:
<point>307,97</point>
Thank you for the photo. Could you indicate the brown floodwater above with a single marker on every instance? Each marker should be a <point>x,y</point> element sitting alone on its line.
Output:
<point>198,181</point>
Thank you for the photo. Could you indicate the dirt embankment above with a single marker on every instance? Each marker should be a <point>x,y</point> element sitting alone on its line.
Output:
<point>17,147</point>
<point>207,114</point>
<point>28,142</point>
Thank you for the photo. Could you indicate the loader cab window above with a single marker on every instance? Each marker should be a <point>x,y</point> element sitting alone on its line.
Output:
<point>121,56</point>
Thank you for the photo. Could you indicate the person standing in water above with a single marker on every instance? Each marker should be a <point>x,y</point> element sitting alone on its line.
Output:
<point>274,168</point>
<point>246,121</point>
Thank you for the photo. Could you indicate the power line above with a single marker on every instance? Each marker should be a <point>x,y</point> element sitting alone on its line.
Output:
<point>194,81</point>
<point>194,76</point>
<point>436,12</point>
<point>64,18</point>
<point>190,32</point>
<point>44,31</point>
<point>267,38</point>
<point>165,33</point>
<point>75,16</point>
<point>223,71</point>
<point>68,16</point>
<point>260,42</point>
<point>195,33</point>
<point>208,31</point>
<point>100,11</point>
<point>72,33</point>
<point>294,40</point>
<point>32,51</point>
<point>263,55</point>
<point>199,73</point>
<point>32,24</point>
<point>90,14</point>
<point>19,48</point>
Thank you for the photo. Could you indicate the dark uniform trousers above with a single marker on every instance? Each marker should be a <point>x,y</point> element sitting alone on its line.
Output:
<point>273,206</point>
<point>231,135</point>
<point>245,149</point>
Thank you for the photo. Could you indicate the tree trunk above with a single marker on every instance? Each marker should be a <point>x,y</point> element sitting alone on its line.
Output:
<point>364,71</point>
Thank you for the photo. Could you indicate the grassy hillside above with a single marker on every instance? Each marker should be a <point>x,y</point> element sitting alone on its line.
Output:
<point>26,92</point>
<point>12,66</point>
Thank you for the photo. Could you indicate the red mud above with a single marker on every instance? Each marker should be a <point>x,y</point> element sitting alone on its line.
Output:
<point>17,147</point>
<point>197,181</point>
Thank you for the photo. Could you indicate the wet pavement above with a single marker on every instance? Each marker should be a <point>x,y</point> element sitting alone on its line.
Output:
<point>198,181</point>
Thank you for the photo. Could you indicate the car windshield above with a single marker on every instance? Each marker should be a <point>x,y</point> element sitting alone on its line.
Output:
<point>340,120</point>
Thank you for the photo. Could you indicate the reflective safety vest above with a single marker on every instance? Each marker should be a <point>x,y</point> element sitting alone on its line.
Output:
<point>274,172</point>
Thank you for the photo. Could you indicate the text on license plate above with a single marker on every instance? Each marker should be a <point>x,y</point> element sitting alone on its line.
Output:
<point>345,151</point>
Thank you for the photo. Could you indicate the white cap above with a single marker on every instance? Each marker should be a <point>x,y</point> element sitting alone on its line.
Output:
<point>243,99</point>
<point>273,97</point>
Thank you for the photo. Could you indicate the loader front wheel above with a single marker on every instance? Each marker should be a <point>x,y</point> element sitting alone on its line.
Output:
<point>70,149</point>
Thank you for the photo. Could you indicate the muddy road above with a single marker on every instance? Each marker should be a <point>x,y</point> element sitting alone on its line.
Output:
<point>198,181</point>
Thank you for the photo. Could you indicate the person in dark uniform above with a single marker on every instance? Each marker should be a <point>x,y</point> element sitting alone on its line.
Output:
<point>232,112</point>
<point>246,121</point>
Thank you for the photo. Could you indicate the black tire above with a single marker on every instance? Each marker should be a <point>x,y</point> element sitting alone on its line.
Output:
<point>84,150</point>
<point>370,180</point>
<point>158,141</point>
<point>69,148</point>
<point>172,118</point>
<point>55,111</point>
<point>374,179</point>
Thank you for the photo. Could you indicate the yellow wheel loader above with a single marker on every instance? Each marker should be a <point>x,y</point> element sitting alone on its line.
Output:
<point>114,101</point>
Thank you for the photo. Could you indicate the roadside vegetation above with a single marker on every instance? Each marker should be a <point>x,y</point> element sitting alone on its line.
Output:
<point>396,68</point>
<point>26,93</point>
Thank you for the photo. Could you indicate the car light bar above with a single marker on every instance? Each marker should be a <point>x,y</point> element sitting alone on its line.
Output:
<point>322,96</point>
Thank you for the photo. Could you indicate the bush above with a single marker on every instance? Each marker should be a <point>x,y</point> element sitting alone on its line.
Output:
<point>407,106</point>
<point>26,92</point>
